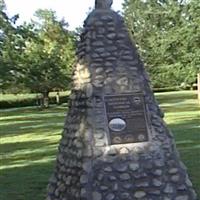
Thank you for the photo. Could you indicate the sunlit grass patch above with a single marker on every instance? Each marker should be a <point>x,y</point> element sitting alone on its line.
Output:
<point>182,114</point>
<point>29,141</point>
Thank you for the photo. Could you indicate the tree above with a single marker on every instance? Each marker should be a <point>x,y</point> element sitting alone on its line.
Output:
<point>49,56</point>
<point>167,33</point>
<point>8,39</point>
<point>12,45</point>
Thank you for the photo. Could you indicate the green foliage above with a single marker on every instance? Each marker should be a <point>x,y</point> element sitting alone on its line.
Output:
<point>49,56</point>
<point>38,56</point>
<point>168,36</point>
<point>9,46</point>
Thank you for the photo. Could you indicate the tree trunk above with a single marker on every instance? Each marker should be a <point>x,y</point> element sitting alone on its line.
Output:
<point>198,86</point>
<point>57,98</point>
<point>45,99</point>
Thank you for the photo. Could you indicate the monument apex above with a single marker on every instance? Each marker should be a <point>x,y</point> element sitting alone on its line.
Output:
<point>103,4</point>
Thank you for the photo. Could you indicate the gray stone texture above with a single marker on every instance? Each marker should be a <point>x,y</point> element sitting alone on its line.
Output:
<point>88,167</point>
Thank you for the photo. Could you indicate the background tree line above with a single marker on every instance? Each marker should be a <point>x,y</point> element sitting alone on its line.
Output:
<point>38,56</point>
<point>167,33</point>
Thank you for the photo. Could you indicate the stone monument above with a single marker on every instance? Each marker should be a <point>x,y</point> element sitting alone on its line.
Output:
<point>115,144</point>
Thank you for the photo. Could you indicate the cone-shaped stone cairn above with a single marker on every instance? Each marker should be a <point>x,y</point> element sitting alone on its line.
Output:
<point>115,144</point>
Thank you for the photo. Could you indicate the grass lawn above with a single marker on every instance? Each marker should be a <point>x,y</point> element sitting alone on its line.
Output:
<point>182,114</point>
<point>29,140</point>
<point>17,97</point>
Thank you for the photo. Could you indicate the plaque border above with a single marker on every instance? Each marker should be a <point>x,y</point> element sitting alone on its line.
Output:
<point>147,118</point>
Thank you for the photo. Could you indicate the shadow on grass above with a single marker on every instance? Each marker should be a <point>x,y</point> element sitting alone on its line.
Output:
<point>25,183</point>
<point>32,124</point>
<point>187,137</point>
<point>25,169</point>
<point>33,117</point>
<point>179,108</point>
<point>186,128</point>
<point>175,97</point>
<point>29,110</point>
<point>29,145</point>
<point>30,116</point>
<point>32,131</point>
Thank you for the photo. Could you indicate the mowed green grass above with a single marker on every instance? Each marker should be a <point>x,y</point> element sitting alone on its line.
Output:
<point>182,114</point>
<point>17,97</point>
<point>28,146</point>
<point>29,141</point>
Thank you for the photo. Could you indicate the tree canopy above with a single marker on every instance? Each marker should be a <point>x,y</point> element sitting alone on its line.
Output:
<point>49,55</point>
<point>10,46</point>
<point>37,55</point>
<point>167,33</point>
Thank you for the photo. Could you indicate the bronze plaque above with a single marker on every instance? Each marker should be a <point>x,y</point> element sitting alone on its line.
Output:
<point>127,118</point>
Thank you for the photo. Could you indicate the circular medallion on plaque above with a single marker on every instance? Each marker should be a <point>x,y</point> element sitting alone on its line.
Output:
<point>117,140</point>
<point>117,124</point>
<point>137,100</point>
<point>141,137</point>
